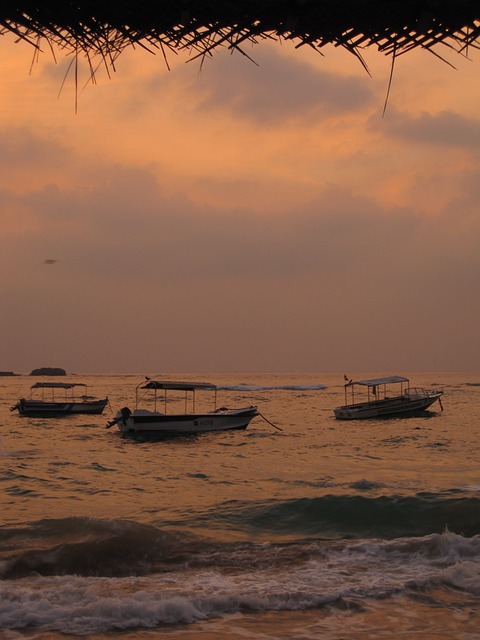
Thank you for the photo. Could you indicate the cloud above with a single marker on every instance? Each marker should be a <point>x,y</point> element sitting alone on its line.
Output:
<point>115,221</point>
<point>136,263</point>
<point>280,89</point>
<point>272,90</point>
<point>445,128</point>
<point>127,227</point>
<point>19,146</point>
<point>255,209</point>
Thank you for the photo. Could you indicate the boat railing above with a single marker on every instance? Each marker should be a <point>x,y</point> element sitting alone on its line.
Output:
<point>415,393</point>
<point>55,394</point>
<point>172,395</point>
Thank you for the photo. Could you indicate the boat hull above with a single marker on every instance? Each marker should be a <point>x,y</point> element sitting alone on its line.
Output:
<point>40,408</point>
<point>389,408</point>
<point>151,422</point>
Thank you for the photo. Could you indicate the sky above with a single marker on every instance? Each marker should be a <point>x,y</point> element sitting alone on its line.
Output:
<point>240,215</point>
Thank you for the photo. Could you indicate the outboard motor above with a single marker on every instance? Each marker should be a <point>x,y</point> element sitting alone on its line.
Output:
<point>125,413</point>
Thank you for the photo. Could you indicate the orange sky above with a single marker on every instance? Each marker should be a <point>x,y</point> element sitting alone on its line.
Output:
<point>240,217</point>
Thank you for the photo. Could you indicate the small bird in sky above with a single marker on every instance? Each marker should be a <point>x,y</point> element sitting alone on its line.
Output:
<point>49,261</point>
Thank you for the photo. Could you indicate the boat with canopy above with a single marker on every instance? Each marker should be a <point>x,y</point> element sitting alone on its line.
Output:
<point>53,399</point>
<point>382,402</point>
<point>150,396</point>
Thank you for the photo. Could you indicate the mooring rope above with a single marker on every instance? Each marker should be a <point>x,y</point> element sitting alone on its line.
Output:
<point>273,425</point>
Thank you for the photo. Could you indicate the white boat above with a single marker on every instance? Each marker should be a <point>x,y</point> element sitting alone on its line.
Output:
<point>381,403</point>
<point>45,401</point>
<point>150,420</point>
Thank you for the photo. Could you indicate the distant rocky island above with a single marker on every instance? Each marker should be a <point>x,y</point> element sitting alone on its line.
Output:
<point>48,371</point>
<point>42,371</point>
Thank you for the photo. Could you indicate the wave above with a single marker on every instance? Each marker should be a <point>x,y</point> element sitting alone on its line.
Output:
<point>348,516</point>
<point>286,387</point>
<point>92,547</point>
<point>88,546</point>
<point>292,577</point>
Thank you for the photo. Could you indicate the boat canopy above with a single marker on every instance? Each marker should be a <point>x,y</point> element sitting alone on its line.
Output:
<point>377,381</point>
<point>177,386</point>
<point>58,385</point>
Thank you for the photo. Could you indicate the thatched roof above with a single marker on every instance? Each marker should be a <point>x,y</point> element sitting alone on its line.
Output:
<point>106,27</point>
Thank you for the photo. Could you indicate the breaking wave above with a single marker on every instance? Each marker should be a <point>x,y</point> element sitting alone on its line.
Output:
<point>92,547</point>
<point>242,578</point>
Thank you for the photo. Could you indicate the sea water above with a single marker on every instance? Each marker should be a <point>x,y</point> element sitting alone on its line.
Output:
<point>300,527</point>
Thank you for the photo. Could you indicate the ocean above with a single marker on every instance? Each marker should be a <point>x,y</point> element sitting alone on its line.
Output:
<point>300,527</point>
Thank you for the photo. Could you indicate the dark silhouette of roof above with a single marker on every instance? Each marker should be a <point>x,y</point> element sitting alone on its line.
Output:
<point>201,26</point>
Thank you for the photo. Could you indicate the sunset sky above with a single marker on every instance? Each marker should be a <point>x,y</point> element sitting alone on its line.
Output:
<point>240,217</point>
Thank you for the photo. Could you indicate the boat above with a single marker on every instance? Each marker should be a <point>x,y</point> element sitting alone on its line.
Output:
<point>146,418</point>
<point>381,403</point>
<point>45,402</point>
